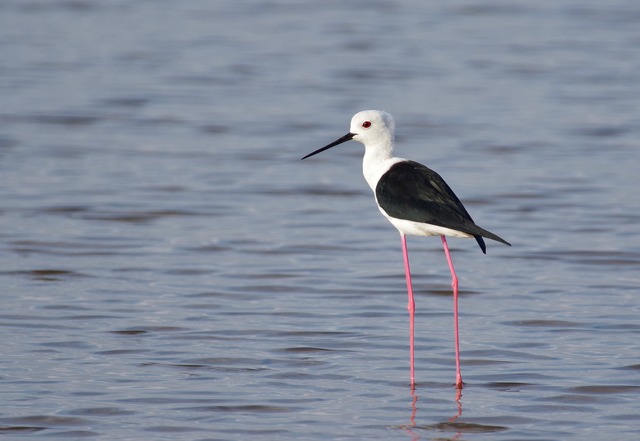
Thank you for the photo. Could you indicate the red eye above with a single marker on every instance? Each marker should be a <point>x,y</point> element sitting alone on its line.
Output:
<point>366,124</point>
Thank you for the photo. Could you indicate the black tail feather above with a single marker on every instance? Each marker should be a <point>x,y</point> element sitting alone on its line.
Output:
<point>480,241</point>
<point>488,235</point>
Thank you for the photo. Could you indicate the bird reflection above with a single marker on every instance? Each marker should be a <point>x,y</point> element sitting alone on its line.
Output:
<point>412,427</point>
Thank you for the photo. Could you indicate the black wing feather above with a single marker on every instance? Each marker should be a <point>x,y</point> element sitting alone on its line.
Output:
<point>411,191</point>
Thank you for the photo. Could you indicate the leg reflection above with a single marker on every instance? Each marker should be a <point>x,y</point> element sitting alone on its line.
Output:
<point>452,425</point>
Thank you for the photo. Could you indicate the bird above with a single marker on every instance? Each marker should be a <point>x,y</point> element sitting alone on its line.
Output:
<point>417,201</point>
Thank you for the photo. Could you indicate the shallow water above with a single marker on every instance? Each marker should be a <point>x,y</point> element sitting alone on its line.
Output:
<point>170,269</point>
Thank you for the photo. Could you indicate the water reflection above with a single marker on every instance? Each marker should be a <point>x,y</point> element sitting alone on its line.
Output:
<point>413,429</point>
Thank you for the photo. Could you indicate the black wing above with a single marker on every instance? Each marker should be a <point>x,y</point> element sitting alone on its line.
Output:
<point>411,191</point>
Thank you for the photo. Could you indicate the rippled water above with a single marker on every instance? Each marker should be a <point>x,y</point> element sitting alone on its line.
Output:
<point>171,270</point>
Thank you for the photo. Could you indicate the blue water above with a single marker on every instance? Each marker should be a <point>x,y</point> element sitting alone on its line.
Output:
<point>170,269</point>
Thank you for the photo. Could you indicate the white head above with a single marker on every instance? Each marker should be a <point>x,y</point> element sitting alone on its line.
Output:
<point>373,128</point>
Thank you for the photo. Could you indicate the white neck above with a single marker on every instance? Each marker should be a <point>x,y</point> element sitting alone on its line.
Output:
<point>377,160</point>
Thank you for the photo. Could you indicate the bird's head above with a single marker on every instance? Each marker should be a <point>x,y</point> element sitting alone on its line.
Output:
<point>373,128</point>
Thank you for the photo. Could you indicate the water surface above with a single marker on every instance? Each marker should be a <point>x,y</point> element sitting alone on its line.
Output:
<point>170,269</point>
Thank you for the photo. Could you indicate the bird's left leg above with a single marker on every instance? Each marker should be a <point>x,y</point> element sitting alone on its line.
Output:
<point>411,307</point>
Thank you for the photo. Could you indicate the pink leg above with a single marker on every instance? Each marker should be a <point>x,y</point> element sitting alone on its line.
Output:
<point>454,285</point>
<point>411,307</point>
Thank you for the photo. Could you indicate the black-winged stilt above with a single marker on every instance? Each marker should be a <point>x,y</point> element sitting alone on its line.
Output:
<point>416,200</point>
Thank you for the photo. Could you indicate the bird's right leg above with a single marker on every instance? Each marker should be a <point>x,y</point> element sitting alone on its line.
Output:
<point>456,335</point>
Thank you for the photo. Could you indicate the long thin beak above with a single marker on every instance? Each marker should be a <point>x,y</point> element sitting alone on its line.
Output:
<point>345,138</point>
